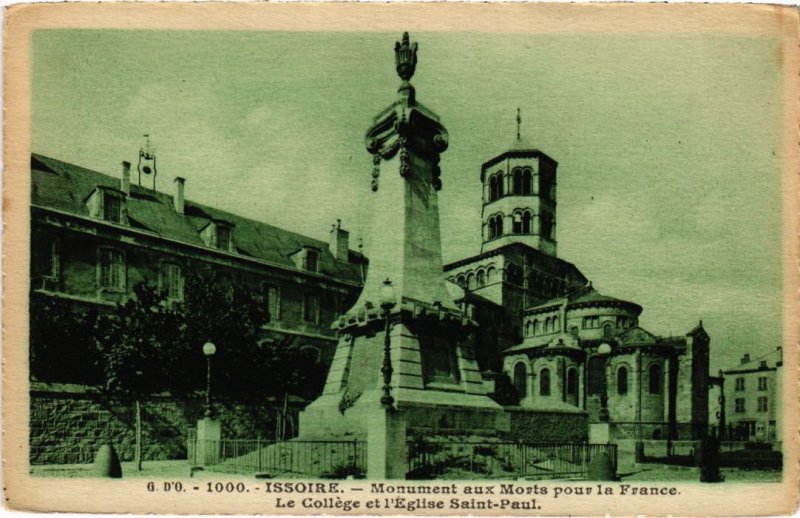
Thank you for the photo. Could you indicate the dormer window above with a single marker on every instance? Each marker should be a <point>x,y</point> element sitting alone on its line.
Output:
<point>307,258</point>
<point>108,204</point>
<point>312,260</point>
<point>218,234</point>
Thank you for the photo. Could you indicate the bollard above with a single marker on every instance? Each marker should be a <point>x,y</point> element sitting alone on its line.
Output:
<point>600,468</point>
<point>106,463</point>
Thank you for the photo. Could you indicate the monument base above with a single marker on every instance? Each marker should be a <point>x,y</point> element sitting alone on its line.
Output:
<point>386,446</point>
<point>209,437</point>
<point>429,411</point>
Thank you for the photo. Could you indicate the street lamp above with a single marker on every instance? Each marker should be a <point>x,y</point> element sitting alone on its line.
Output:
<point>604,349</point>
<point>387,303</point>
<point>208,350</point>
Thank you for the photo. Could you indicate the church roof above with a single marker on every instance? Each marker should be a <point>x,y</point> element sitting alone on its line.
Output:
<point>63,186</point>
<point>554,265</point>
<point>585,297</point>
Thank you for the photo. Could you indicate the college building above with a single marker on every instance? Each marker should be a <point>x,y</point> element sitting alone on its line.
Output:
<point>752,398</point>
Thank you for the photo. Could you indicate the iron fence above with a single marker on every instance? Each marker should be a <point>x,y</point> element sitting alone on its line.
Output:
<point>335,459</point>
<point>504,459</point>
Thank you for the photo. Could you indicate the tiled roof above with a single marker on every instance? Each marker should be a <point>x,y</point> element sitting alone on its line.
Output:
<point>63,186</point>
<point>585,296</point>
<point>552,265</point>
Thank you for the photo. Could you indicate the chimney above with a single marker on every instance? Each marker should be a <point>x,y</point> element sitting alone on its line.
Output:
<point>125,184</point>
<point>177,199</point>
<point>745,359</point>
<point>339,242</point>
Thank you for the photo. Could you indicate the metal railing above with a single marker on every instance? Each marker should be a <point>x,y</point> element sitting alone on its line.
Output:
<point>309,458</point>
<point>505,459</point>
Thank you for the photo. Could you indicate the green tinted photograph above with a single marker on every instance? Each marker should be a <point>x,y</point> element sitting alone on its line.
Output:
<point>406,256</point>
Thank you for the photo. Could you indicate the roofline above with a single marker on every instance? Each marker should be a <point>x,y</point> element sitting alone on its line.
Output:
<point>221,253</point>
<point>498,251</point>
<point>518,153</point>
<point>750,370</point>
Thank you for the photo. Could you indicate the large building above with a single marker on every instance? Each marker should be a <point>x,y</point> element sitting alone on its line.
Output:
<point>655,387</point>
<point>95,236</point>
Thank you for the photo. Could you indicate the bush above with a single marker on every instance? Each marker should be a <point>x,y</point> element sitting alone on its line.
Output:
<point>343,471</point>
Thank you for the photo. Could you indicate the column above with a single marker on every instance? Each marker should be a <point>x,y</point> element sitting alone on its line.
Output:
<point>582,385</point>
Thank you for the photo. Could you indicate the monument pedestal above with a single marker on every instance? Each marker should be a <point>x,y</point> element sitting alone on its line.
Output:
<point>386,446</point>
<point>209,437</point>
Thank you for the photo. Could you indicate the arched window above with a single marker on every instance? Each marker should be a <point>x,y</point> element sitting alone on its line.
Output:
<point>498,225</point>
<point>526,181</point>
<point>516,223</point>
<point>495,186</point>
<point>556,324</point>
<point>521,379</point>
<point>471,281</point>
<point>526,222</point>
<point>480,279</point>
<point>491,275</point>
<point>572,385</point>
<point>462,281</point>
<point>516,181</point>
<point>622,381</point>
<point>537,327</point>
<point>529,328</point>
<point>544,382</point>
<point>654,379</point>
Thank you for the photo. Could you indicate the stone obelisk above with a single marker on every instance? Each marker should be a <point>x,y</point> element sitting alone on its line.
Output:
<point>434,379</point>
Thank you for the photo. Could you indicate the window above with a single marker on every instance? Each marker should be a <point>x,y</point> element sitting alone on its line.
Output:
<point>495,226</point>
<point>762,403</point>
<point>112,208</point>
<point>526,181</point>
<point>481,279</point>
<point>462,281</point>
<point>516,223</point>
<point>556,325</point>
<point>517,181</point>
<point>607,330</point>
<point>544,382</point>
<point>172,282</point>
<point>591,322</point>
<point>223,237</point>
<point>739,405</point>
<point>495,186</point>
<point>739,384</point>
<point>272,302</point>
<point>622,322</point>
<point>529,329</point>
<point>622,381</point>
<point>312,261</point>
<point>762,383</point>
<point>654,379</point>
<point>112,269</point>
<point>537,327</point>
<point>311,352</point>
<point>46,261</point>
<point>526,222</point>
<point>491,275</point>
<point>311,307</point>
<point>521,379</point>
<point>471,281</point>
<point>572,385</point>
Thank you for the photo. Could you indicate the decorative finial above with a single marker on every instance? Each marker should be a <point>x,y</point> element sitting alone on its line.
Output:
<point>519,122</point>
<point>405,54</point>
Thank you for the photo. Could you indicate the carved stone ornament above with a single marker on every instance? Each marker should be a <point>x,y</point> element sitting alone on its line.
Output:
<point>405,54</point>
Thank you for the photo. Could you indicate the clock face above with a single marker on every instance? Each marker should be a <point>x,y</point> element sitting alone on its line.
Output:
<point>146,169</point>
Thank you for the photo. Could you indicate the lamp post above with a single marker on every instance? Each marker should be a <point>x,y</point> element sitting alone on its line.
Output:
<point>387,303</point>
<point>208,350</point>
<point>604,349</point>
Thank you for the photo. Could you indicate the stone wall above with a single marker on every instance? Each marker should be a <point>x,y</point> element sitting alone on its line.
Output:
<point>68,423</point>
<point>540,426</point>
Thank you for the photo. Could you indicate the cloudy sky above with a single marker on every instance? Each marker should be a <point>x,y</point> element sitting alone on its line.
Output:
<point>669,148</point>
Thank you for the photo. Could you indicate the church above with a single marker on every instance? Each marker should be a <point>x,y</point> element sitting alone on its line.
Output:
<point>569,348</point>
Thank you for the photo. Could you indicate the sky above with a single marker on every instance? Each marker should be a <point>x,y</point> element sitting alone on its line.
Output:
<point>669,147</point>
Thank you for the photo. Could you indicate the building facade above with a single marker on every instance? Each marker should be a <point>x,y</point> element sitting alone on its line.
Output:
<point>652,387</point>
<point>751,396</point>
<point>95,236</point>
